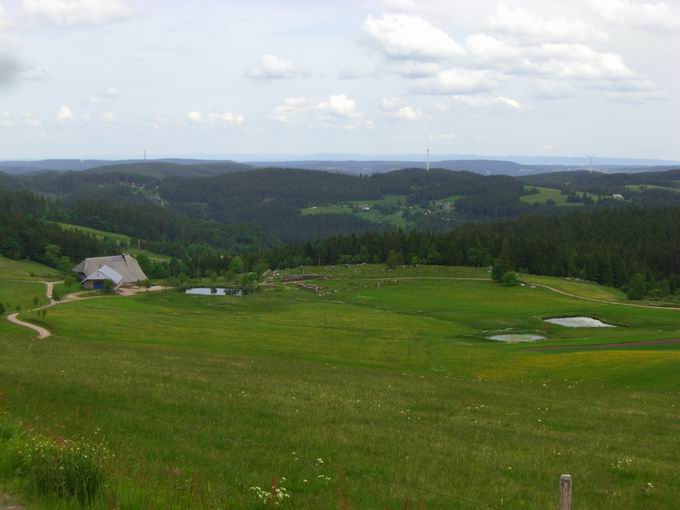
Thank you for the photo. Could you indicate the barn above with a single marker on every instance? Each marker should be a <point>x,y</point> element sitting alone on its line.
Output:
<point>120,270</point>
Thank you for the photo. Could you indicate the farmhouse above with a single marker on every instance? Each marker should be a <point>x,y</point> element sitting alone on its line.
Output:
<point>120,270</point>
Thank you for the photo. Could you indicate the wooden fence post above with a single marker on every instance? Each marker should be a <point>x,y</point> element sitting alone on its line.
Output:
<point>565,492</point>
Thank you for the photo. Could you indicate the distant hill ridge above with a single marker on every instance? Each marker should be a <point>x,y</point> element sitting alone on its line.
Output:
<point>199,167</point>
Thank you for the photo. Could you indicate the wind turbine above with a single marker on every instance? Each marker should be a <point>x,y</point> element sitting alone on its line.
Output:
<point>590,157</point>
<point>428,158</point>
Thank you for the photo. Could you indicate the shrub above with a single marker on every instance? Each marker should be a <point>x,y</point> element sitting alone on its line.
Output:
<point>509,279</point>
<point>394,259</point>
<point>2,309</point>
<point>637,288</point>
<point>107,287</point>
<point>65,469</point>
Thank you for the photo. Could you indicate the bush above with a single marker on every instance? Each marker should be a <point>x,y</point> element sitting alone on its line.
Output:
<point>65,469</point>
<point>107,287</point>
<point>637,288</point>
<point>394,259</point>
<point>509,279</point>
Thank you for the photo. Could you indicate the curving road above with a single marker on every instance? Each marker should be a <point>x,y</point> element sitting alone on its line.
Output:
<point>42,332</point>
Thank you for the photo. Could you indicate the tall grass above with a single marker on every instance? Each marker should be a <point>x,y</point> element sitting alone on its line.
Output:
<point>46,466</point>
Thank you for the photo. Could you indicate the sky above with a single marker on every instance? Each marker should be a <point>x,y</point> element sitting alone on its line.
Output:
<point>112,78</point>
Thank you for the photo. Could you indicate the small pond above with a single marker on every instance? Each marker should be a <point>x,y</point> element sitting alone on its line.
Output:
<point>208,291</point>
<point>579,322</point>
<point>517,338</point>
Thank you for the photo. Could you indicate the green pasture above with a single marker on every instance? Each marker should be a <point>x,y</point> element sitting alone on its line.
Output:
<point>380,391</point>
<point>545,194</point>
<point>21,294</point>
<point>25,270</point>
<point>396,218</point>
<point>643,187</point>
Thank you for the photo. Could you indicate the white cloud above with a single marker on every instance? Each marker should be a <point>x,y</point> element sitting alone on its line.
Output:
<point>489,50</point>
<point>77,12</point>
<point>559,60</point>
<point>24,119</point>
<point>292,109</point>
<point>195,116</point>
<point>109,117</point>
<point>340,105</point>
<point>487,102</point>
<point>401,36</point>
<point>410,68</point>
<point>65,114</point>
<point>272,67</point>
<point>528,27</point>
<point>456,81</point>
<point>394,108</point>
<point>400,5</point>
<point>339,111</point>
<point>637,14</point>
<point>553,89</point>
<point>3,18</point>
<point>111,92</point>
<point>213,119</point>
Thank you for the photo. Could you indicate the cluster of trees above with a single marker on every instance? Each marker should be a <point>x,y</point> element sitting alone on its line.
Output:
<point>23,234</point>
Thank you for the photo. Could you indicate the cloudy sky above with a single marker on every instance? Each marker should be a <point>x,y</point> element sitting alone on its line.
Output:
<point>109,78</point>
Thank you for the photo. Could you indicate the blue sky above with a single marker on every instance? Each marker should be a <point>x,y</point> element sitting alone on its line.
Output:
<point>109,78</point>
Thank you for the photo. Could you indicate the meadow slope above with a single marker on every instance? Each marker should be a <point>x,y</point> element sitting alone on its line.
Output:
<point>381,388</point>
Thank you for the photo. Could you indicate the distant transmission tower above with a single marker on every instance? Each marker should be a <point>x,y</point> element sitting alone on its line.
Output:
<point>590,157</point>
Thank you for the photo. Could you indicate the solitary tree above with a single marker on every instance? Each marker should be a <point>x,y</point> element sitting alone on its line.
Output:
<point>2,309</point>
<point>637,288</point>
<point>394,259</point>
<point>236,265</point>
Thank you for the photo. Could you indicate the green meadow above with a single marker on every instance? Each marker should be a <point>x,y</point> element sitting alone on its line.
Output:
<point>393,218</point>
<point>545,194</point>
<point>380,391</point>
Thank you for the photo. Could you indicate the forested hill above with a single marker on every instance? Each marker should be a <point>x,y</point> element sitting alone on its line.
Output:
<point>610,246</point>
<point>605,183</point>
<point>77,165</point>
<point>293,205</point>
<point>161,170</point>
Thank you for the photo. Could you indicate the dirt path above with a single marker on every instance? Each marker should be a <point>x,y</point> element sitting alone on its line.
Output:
<point>42,332</point>
<point>613,345</point>
<point>603,301</point>
<point>68,298</point>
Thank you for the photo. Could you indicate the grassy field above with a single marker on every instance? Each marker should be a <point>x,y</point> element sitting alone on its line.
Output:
<point>396,218</point>
<point>545,194</point>
<point>380,389</point>
<point>642,187</point>
<point>25,270</point>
